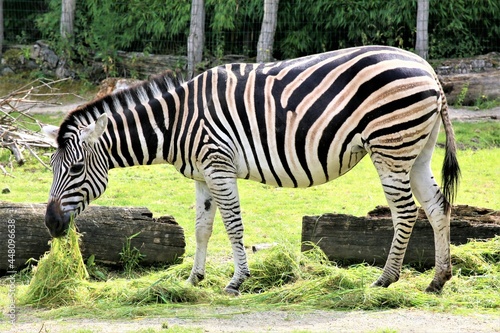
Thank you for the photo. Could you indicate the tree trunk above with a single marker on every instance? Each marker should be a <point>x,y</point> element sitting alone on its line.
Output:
<point>349,239</point>
<point>266,37</point>
<point>104,230</point>
<point>196,36</point>
<point>422,43</point>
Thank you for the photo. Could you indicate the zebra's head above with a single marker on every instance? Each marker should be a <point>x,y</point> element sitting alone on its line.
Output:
<point>80,172</point>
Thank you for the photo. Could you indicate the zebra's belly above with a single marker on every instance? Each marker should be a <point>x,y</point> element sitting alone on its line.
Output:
<point>301,168</point>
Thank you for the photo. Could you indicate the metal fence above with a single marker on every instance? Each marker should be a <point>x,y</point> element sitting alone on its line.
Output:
<point>19,20</point>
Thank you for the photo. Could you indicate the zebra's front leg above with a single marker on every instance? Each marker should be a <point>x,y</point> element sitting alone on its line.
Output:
<point>205,213</point>
<point>225,192</point>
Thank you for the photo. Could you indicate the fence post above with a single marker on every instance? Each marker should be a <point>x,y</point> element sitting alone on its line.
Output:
<point>67,18</point>
<point>422,43</point>
<point>266,37</point>
<point>196,36</point>
<point>1,28</point>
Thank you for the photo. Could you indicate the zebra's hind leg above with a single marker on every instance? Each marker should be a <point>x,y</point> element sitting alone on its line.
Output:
<point>433,202</point>
<point>205,213</point>
<point>396,184</point>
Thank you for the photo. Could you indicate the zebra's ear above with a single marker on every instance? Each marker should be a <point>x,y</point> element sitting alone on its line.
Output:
<point>51,132</point>
<point>93,132</point>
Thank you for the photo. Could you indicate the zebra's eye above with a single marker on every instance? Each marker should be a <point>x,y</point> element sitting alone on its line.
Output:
<point>76,169</point>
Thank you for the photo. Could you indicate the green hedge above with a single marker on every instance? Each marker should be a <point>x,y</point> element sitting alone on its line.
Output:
<point>457,27</point>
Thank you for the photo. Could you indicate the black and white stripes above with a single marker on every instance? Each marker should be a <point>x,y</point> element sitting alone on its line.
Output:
<point>293,123</point>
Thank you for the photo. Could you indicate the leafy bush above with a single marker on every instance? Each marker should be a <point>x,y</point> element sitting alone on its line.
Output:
<point>457,27</point>
<point>305,28</point>
<point>463,28</point>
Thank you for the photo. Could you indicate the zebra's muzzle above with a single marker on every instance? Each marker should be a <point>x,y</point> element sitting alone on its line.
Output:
<point>56,220</point>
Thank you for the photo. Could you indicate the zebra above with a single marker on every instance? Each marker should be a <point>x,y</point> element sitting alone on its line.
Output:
<point>292,123</point>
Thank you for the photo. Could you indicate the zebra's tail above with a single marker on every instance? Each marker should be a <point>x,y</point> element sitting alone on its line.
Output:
<point>451,170</point>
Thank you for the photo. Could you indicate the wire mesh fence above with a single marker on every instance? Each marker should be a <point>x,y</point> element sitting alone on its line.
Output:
<point>456,29</point>
<point>19,20</point>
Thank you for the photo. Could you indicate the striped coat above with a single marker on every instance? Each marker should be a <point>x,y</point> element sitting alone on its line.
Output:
<point>293,123</point>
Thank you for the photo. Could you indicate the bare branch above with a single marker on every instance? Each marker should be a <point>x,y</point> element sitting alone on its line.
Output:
<point>5,172</point>
<point>16,124</point>
<point>37,158</point>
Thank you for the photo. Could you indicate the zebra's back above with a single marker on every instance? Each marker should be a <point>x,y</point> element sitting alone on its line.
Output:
<point>306,121</point>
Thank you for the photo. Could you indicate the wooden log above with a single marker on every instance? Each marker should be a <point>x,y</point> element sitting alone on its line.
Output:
<point>471,87</point>
<point>104,230</point>
<point>348,239</point>
<point>467,80</point>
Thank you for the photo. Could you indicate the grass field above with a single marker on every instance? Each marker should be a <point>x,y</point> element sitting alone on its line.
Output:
<point>282,277</point>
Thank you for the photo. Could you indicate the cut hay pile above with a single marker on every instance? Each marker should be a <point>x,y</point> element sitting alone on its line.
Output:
<point>60,276</point>
<point>282,277</point>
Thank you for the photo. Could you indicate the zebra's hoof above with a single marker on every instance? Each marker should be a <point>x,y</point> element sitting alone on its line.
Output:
<point>434,287</point>
<point>380,283</point>
<point>231,291</point>
<point>194,279</point>
<point>385,280</point>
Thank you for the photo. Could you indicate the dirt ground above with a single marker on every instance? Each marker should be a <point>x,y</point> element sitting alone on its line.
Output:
<point>461,114</point>
<point>224,320</point>
<point>472,115</point>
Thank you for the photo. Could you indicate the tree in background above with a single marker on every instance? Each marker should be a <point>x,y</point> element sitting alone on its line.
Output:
<point>266,37</point>
<point>196,36</point>
<point>422,43</point>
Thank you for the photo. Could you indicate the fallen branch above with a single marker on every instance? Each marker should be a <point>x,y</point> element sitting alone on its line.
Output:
<point>37,158</point>
<point>16,124</point>
<point>350,240</point>
<point>5,172</point>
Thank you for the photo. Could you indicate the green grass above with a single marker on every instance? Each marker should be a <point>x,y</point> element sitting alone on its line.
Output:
<point>302,281</point>
<point>283,278</point>
<point>53,118</point>
<point>481,135</point>
<point>267,211</point>
<point>47,90</point>
<point>483,103</point>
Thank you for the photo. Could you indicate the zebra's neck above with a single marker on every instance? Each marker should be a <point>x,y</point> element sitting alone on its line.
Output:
<point>138,122</point>
<point>139,129</point>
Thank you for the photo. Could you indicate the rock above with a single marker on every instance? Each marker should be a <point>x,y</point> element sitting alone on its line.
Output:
<point>114,84</point>
<point>147,65</point>
<point>7,71</point>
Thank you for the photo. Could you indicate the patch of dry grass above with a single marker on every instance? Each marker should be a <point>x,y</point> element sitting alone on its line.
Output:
<point>60,276</point>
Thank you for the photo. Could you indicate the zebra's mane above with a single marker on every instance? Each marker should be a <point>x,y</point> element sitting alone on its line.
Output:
<point>119,101</point>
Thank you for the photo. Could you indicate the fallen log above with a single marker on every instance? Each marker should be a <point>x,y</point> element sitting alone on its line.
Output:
<point>348,239</point>
<point>468,89</point>
<point>467,81</point>
<point>105,230</point>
